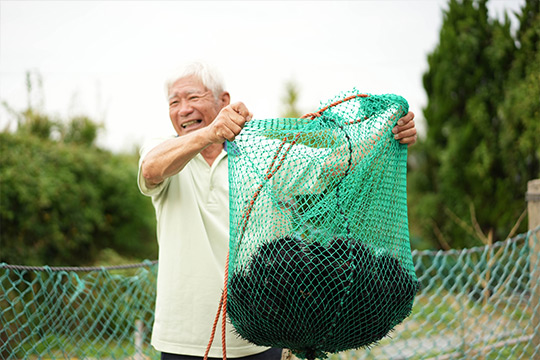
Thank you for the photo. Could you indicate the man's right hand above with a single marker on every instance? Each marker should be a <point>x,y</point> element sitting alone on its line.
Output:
<point>229,122</point>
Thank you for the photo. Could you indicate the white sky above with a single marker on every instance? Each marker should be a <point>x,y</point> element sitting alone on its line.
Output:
<point>109,59</point>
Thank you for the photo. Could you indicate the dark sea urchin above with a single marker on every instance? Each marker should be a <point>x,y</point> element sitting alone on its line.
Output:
<point>316,299</point>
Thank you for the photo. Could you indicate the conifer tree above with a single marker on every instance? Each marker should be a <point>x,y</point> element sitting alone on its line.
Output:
<point>520,108</point>
<point>462,186</point>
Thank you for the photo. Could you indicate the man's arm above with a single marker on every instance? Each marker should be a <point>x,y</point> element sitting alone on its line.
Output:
<point>171,156</point>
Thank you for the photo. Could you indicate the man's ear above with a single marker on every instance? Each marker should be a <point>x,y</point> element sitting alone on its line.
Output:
<point>224,99</point>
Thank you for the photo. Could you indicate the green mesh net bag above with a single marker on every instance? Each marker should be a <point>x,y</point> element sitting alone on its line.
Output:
<point>319,259</point>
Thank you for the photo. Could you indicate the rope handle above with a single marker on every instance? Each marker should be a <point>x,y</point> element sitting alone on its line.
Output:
<point>319,112</point>
<point>222,309</point>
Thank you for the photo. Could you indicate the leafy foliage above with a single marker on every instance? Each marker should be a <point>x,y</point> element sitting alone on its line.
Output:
<point>470,173</point>
<point>62,203</point>
<point>520,107</point>
<point>63,199</point>
<point>290,101</point>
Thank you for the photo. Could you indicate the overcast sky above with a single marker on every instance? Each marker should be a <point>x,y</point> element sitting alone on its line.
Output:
<point>109,59</point>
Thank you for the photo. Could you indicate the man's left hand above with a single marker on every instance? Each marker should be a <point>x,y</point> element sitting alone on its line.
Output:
<point>405,130</point>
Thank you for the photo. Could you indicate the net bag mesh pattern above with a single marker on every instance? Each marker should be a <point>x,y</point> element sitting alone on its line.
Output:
<point>319,258</point>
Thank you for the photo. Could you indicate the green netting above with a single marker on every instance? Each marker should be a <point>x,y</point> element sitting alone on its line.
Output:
<point>320,260</point>
<point>76,313</point>
<point>476,303</point>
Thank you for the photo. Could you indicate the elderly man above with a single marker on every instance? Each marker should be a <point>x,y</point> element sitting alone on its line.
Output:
<point>186,176</point>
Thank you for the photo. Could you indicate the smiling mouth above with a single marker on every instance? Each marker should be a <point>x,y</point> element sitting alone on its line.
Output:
<point>192,122</point>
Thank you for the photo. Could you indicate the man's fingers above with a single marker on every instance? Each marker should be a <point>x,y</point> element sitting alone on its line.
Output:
<point>237,113</point>
<point>405,130</point>
<point>227,128</point>
<point>406,119</point>
<point>399,128</point>
<point>241,109</point>
<point>408,125</point>
<point>409,140</point>
<point>226,134</point>
<point>229,122</point>
<point>404,133</point>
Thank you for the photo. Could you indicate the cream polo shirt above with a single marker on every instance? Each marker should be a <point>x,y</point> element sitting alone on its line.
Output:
<point>192,210</point>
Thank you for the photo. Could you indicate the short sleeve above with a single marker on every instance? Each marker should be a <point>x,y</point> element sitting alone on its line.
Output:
<point>145,149</point>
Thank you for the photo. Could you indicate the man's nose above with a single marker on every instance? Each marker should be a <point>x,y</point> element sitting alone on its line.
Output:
<point>185,108</point>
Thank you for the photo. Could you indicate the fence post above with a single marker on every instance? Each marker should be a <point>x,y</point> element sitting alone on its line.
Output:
<point>533,208</point>
<point>138,340</point>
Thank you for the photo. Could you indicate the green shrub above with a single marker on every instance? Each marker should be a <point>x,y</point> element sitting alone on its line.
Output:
<point>60,203</point>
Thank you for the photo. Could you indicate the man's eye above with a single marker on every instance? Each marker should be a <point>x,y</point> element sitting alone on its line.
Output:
<point>195,97</point>
<point>173,103</point>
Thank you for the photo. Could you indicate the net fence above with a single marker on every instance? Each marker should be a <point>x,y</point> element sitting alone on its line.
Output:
<point>476,303</point>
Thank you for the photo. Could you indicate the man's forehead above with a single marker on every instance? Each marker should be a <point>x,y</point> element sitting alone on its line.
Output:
<point>187,91</point>
<point>179,89</point>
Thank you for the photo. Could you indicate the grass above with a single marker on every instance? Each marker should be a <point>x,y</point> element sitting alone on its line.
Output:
<point>446,325</point>
<point>62,347</point>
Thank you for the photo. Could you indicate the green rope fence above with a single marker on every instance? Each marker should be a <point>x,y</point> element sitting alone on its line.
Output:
<point>77,313</point>
<point>476,303</point>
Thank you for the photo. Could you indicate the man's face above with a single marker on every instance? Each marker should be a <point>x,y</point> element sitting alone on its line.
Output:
<point>191,105</point>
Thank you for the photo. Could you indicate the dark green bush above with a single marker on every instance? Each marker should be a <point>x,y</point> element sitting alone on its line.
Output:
<point>61,203</point>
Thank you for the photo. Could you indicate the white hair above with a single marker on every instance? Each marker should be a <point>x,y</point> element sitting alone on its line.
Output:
<point>209,76</point>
